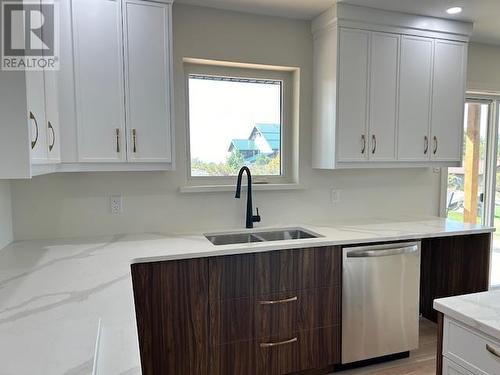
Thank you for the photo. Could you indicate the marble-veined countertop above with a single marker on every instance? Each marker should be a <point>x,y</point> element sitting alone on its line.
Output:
<point>478,310</point>
<point>53,292</point>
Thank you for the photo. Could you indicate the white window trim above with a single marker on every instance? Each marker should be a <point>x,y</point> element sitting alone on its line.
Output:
<point>289,131</point>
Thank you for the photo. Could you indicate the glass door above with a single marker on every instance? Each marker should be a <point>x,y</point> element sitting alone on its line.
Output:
<point>466,184</point>
<point>473,191</point>
<point>494,218</point>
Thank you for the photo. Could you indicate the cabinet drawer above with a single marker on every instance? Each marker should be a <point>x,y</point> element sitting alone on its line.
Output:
<point>268,315</point>
<point>470,349</point>
<point>305,350</point>
<point>249,275</point>
<point>451,368</point>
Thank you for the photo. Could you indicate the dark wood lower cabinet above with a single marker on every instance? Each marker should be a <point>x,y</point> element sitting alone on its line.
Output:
<point>171,305</point>
<point>272,313</point>
<point>452,266</point>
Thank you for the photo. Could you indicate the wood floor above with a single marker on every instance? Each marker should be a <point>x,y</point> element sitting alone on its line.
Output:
<point>421,361</point>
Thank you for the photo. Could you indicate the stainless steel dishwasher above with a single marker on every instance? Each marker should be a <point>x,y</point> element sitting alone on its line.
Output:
<point>380,300</point>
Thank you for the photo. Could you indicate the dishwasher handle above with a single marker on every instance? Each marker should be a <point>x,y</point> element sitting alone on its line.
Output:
<point>367,253</point>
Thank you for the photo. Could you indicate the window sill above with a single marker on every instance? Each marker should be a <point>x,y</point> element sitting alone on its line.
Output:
<point>223,188</point>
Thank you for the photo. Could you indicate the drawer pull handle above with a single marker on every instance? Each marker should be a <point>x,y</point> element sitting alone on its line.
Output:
<point>271,344</point>
<point>277,302</point>
<point>493,350</point>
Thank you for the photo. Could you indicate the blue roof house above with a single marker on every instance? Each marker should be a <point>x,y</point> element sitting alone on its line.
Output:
<point>246,147</point>
<point>264,139</point>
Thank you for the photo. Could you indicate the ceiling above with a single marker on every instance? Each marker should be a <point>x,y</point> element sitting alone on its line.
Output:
<point>484,13</point>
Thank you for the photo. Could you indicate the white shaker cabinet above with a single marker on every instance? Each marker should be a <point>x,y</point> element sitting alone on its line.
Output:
<point>147,81</point>
<point>387,92</point>
<point>415,92</point>
<point>382,126</point>
<point>122,69</point>
<point>29,122</point>
<point>353,94</point>
<point>98,70</point>
<point>448,97</point>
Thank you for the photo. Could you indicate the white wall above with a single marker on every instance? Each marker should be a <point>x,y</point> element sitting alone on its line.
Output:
<point>483,73</point>
<point>5,214</point>
<point>77,204</point>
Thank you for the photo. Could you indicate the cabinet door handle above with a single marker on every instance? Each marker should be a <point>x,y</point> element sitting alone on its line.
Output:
<point>51,128</point>
<point>435,145</point>
<point>271,344</point>
<point>363,143</point>
<point>33,118</point>
<point>426,145</point>
<point>493,350</point>
<point>278,302</point>
<point>117,132</point>
<point>374,143</point>
<point>134,140</point>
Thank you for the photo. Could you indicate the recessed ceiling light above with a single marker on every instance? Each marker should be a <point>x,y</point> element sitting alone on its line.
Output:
<point>453,10</point>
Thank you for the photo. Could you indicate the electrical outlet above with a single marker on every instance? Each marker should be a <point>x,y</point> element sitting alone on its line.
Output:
<point>334,196</point>
<point>115,204</point>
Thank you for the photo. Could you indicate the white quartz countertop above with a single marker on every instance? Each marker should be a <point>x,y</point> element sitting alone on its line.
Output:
<point>53,292</point>
<point>478,310</point>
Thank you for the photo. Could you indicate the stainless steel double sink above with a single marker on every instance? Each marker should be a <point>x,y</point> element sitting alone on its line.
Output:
<point>260,236</point>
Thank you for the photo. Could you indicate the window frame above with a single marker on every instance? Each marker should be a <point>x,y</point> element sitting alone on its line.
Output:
<point>289,105</point>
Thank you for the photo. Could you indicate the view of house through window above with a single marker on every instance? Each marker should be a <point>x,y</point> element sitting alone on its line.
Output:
<point>235,122</point>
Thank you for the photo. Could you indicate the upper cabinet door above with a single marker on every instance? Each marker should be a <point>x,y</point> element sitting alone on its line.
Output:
<point>147,80</point>
<point>450,61</point>
<point>52,117</point>
<point>97,26</point>
<point>384,53</point>
<point>35,98</point>
<point>352,141</point>
<point>415,98</point>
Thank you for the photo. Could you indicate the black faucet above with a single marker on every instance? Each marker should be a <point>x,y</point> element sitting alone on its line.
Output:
<point>251,218</point>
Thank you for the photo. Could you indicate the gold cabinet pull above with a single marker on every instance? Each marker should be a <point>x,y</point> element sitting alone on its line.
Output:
<point>426,145</point>
<point>134,140</point>
<point>271,344</point>
<point>33,143</point>
<point>278,302</point>
<point>51,128</point>
<point>117,132</point>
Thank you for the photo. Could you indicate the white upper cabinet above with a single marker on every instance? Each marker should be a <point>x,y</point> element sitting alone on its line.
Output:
<point>147,78</point>
<point>450,64</point>
<point>383,96</point>
<point>99,84</point>
<point>122,68</point>
<point>415,91</point>
<point>30,121</point>
<point>385,92</point>
<point>353,98</point>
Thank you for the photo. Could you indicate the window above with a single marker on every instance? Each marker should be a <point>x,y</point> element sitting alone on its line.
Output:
<point>473,190</point>
<point>239,116</point>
